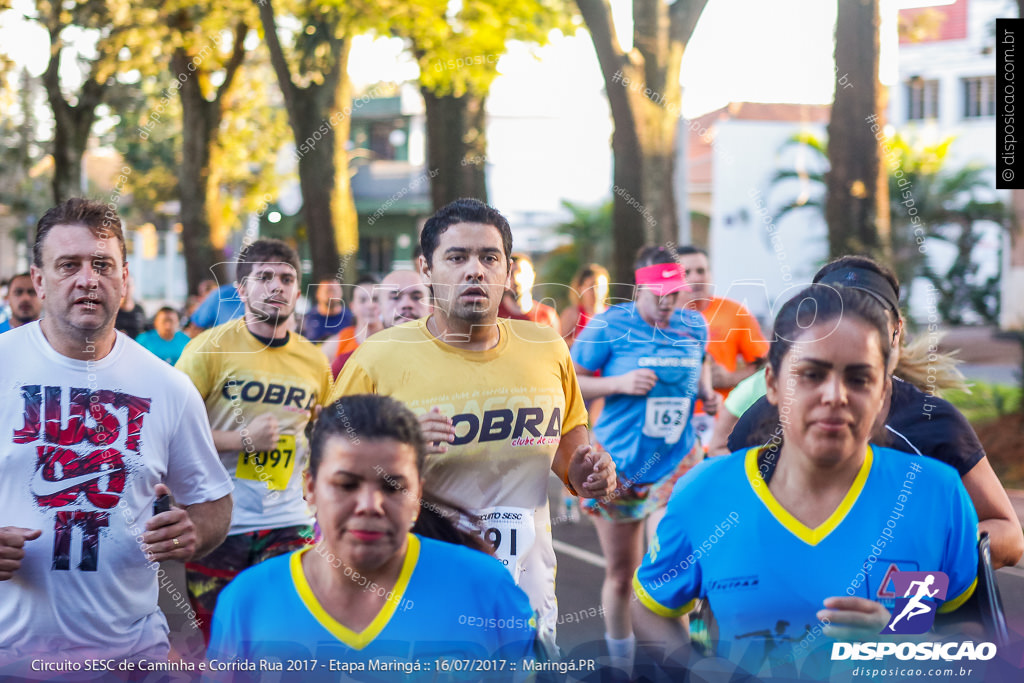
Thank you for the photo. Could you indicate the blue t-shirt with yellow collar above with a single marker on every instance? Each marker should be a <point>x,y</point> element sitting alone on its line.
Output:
<point>450,603</point>
<point>765,575</point>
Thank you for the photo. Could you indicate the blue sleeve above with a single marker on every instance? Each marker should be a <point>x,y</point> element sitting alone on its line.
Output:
<point>668,580</point>
<point>206,315</point>
<point>960,556</point>
<point>227,629</point>
<point>593,349</point>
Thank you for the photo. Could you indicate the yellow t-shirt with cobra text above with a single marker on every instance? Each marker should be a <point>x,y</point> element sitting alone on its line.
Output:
<point>509,405</point>
<point>240,377</point>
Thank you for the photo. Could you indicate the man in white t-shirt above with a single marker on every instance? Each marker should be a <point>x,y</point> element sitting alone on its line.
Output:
<point>93,429</point>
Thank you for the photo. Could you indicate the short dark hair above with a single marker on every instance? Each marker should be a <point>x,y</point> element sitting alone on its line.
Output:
<point>266,251</point>
<point>367,283</point>
<point>167,309</point>
<point>464,210</point>
<point>366,416</point>
<point>651,255</point>
<point>690,250</point>
<point>16,276</point>
<point>101,219</point>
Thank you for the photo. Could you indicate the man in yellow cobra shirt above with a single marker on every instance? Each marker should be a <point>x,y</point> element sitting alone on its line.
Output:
<point>260,382</point>
<point>497,399</point>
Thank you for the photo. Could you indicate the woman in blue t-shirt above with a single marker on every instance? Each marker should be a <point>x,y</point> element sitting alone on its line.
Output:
<point>808,539</point>
<point>373,592</point>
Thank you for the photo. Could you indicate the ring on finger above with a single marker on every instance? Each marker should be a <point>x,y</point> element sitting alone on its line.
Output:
<point>176,542</point>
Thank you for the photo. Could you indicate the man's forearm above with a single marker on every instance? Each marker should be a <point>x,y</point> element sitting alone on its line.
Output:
<point>212,520</point>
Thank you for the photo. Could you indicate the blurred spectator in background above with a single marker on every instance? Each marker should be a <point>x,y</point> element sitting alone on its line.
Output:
<point>131,318</point>
<point>22,301</point>
<point>165,340</point>
<point>588,296</point>
<point>220,306</point>
<point>518,303</point>
<point>366,321</point>
<point>403,296</point>
<point>733,334</point>
<point>329,316</point>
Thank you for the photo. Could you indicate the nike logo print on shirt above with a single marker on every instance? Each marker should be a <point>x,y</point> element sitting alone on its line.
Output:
<point>41,486</point>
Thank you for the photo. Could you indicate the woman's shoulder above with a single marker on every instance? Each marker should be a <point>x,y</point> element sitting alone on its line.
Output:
<point>912,466</point>
<point>435,554</point>
<point>254,580</point>
<point>463,570</point>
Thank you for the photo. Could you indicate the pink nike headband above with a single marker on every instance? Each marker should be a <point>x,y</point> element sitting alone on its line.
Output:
<point>662,278</point>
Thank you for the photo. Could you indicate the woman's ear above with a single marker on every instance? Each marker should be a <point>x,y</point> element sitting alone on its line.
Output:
<point>771,382</point>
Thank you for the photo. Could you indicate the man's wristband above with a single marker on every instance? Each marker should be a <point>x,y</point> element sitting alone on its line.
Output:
<point>569,485</point>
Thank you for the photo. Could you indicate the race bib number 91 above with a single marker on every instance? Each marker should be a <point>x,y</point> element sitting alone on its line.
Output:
<point>511,532</point>
<point>273,467</point>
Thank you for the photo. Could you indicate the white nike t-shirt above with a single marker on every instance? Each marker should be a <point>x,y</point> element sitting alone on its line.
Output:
<point>82,447</point>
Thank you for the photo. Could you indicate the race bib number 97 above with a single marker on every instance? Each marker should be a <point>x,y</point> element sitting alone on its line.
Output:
<point>666,418</point>
<point>273,467</point>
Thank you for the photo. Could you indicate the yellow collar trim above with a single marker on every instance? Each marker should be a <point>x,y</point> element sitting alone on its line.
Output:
<point>357,641</point>
<point>796,527</point>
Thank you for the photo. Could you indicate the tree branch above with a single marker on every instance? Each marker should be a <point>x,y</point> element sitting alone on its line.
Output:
<point>277,58</point>
<point>231,68</point>
<point>597,14</point>
<point>683,17</point>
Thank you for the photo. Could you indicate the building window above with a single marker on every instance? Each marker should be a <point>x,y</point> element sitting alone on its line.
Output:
<point>922,99</point>
<point>381,140</point>
<point>376,254</point>
<point>979,97</point>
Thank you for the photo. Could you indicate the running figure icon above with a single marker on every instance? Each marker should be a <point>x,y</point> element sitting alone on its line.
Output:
<point>914,606</point>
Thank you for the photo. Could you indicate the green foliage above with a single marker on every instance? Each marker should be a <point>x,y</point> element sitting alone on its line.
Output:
<point>153,158</point>
<point>926,200</point>
<point>590,231</point>
<point>458,52</point>
<point>254,128</point>
<point>985,401</point>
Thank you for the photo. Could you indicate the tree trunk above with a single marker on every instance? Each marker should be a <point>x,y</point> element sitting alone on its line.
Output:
<point>319,115</point>
<point>857,190</point>
<point>1011,313</point>
<point>321,128</point>
<point>199,127</point>
<point>317,178</point>
<point>645,98</point>
<point>456,146</point>
<point>67,159</point>
<point>72,124</point>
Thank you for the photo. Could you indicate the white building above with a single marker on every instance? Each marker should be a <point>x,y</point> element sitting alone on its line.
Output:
<point>945,87</point>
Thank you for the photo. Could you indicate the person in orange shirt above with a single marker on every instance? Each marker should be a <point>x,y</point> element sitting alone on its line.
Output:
<point>366,321</point>
<point>733,333</point>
